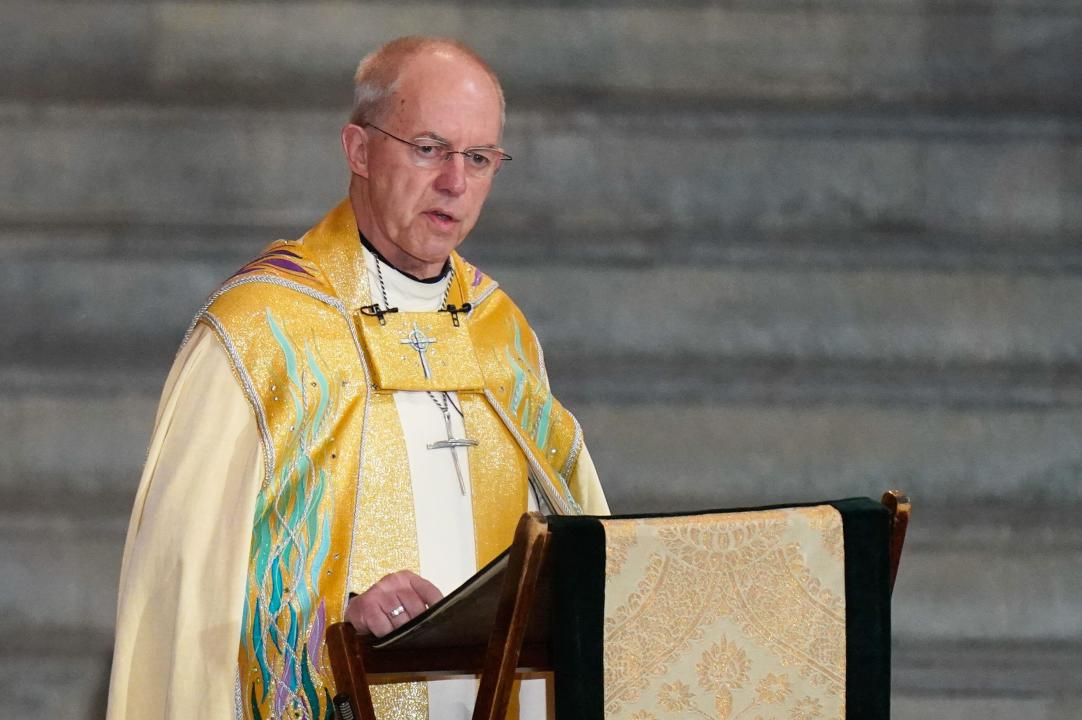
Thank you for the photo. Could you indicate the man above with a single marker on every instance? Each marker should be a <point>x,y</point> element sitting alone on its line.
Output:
<point>358,411</point>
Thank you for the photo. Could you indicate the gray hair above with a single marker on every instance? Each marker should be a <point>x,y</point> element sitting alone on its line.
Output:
<point>376,79</point>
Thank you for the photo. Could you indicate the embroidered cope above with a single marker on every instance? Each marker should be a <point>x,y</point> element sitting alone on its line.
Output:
<point>281,477</point>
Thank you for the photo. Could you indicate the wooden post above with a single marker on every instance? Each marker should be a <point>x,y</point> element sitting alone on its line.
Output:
<point>899,506</point>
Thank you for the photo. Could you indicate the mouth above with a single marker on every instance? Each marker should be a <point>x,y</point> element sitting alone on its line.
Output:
<point>441,218</point>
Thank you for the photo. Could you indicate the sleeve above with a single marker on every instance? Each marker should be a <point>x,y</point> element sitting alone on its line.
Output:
<point>186,555</point>
<point>585,486</point>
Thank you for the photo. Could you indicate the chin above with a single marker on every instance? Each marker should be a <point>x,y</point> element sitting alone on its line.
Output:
<point>436,250</point>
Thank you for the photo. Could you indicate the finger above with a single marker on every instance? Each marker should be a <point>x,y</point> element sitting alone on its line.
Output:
<point>412,602</point>
<point>429,593</point>
<point>355,615</point>
<point>399,615</point>
<point>407,582</point>
<point>377,620</point>
<point>397,604</point>
<point>366,612</point>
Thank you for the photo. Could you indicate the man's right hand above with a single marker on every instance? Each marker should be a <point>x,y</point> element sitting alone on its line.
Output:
<point>392,602</point>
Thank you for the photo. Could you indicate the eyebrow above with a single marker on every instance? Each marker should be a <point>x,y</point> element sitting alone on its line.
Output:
<point>431,135</point>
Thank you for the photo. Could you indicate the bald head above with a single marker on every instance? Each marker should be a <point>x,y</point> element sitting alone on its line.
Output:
<point>379,73</point>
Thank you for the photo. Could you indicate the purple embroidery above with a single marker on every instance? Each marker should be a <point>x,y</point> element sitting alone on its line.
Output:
<point>274,258</point>
<point>285,265</point>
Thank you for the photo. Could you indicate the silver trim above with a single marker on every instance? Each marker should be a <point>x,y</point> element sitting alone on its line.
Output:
<point>369,389</point>
<point>546,489</point>
<point>485,295</point>
<point>249,391</point>
<point>576,448</point>
<point>238,702</point>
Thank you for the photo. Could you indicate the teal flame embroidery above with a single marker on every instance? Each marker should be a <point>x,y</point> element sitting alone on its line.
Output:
<point>528,392</point>
<point>284,616</point>
<point>531,404</point>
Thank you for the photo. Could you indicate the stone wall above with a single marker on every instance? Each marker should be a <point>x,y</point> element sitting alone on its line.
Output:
<point>800,250</point>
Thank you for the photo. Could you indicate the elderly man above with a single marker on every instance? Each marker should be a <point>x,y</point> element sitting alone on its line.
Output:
<point>352,427</point>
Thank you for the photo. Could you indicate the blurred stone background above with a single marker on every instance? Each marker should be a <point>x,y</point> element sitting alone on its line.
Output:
<point>800,250</point>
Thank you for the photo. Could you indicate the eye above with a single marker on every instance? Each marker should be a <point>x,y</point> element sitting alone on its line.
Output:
<point>427,151</point>
<point>477,159</point>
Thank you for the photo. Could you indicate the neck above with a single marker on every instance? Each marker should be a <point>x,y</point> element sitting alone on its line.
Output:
<point>381,260</point>
<point>391,253</point>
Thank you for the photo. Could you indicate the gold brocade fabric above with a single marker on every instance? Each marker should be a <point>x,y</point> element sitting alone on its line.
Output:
<point>385,536</point>
<point>500,459</point>
<point>420,351</point>
<point>335,511</point>
<point>729,615</point>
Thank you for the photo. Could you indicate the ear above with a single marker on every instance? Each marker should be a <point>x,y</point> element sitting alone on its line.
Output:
<point>355,146</point>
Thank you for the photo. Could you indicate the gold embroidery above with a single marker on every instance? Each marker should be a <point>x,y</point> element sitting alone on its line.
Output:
<point>497,478</point>
<point>773,688</point>
<point>723,665</point>
<point>675,696</point>
<point>618,541</point>
<point>821,519</point>
<point>420,351</point>
<point>807,709</point>
<point>749,606</point>
<point>385,533</point>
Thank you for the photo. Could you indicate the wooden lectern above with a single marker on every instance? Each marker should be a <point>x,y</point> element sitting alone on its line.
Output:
<point>776,610</point>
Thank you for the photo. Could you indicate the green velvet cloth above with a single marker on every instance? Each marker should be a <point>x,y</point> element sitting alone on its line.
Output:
<point>577,549</point>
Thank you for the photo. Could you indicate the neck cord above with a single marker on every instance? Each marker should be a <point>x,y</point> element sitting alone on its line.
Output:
<point>447,402</point>
<point>383,287</point>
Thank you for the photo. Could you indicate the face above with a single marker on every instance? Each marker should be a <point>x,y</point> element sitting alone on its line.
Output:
<point>417,216</point>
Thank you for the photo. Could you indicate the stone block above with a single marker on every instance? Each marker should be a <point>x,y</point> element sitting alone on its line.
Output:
<point>991,593</point>
<point>138,310</point>
<point>61,446</point>
<point>960,581</point>
<point>290,52</point>
<point>40,686</point>
<point>64,446</point>
<point>680,457</point>
<point>962,707</point>
<point>717,312</point>
<point>996,668</point>
<point>60,49</point>
<point>60,570</point>
<point>604,172</point>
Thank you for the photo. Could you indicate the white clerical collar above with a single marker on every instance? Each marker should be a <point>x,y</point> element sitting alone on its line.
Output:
<point>403,292</point>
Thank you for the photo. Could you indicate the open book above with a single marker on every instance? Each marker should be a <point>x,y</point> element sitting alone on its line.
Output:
<point>464,618</point>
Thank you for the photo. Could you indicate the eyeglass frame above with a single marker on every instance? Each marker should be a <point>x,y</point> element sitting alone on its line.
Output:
<point>504,157</point>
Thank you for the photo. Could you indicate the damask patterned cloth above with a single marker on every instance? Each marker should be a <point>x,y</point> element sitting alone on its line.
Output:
<point>728,615</point>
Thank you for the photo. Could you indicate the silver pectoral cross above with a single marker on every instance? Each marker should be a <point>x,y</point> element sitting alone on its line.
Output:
<point>452,443</point>
<point>420,342</point>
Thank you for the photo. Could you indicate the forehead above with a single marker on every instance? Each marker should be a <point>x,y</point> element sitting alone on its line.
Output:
<point>448,94</point>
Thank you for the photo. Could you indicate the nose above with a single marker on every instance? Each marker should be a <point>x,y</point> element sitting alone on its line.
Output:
<point>452,178</point>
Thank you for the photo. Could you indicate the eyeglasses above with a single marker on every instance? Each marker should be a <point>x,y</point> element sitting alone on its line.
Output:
<point>429,153</point>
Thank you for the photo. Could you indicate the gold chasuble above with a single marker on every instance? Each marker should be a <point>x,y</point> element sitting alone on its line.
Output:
<point>319,363</point>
